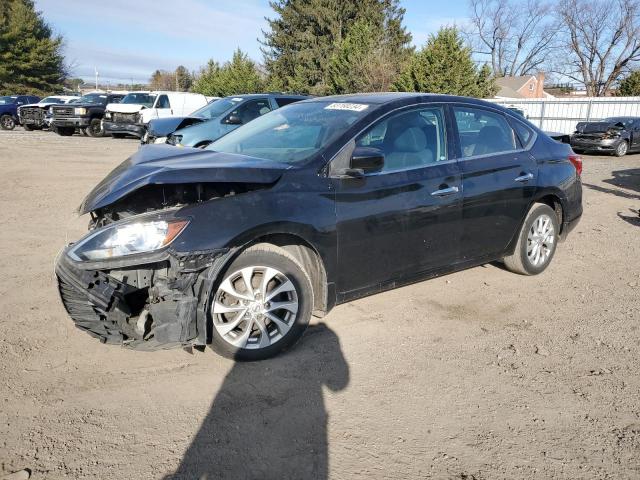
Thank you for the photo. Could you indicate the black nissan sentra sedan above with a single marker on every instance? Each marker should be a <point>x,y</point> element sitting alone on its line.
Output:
<point>311,205</point>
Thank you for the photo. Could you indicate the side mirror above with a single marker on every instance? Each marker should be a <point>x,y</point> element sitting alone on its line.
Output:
<point>365,160</point>
<point>233,120</point>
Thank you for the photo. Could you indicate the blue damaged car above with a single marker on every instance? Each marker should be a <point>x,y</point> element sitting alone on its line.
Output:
<point>215,119</point>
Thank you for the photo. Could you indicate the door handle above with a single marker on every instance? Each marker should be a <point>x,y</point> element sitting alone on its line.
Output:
<point>443,192</point>
<point>524,178</point>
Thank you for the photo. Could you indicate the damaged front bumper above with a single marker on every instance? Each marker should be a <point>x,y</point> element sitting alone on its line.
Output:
<point>134,129</point>
<point>158,301</point>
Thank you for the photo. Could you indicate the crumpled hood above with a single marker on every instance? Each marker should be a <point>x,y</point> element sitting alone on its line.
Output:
<point>164,164</point>
<point>162,127</point>
<point>597,127</point>
<point>125,107</point>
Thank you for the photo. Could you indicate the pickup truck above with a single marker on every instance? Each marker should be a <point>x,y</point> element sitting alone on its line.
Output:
<point>85,115</point>
<point>35,116</point>
<point>9,109</point>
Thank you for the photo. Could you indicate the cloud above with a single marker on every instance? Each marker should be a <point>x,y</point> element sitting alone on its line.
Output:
<point>131,39</point>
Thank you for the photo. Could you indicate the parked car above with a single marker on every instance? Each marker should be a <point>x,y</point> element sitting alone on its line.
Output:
<point>85,114</point>
<point>309,206</point>
<point>559,136</point>
<point>216,119</point>
<point>133,114</point>
<point>9,109</point>
<point>614,135</point>
<point>37,115</point>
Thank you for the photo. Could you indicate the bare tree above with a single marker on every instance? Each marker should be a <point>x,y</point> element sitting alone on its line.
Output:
<point>601,39</point>
<point>517,35</point>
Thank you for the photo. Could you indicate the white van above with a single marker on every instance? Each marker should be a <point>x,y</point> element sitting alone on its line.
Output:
<point>137,109</point>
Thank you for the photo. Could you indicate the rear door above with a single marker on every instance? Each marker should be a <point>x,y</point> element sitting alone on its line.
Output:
<point>405,219</point>
<point>498,178</point>
<point>635,134</point>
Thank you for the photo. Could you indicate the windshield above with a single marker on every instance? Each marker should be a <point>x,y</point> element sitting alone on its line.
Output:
<point>627,122</point>
<point>51,100</point>
<point>7,100</point>
<point>217,107</point>
<point>292,134</point>
<point>96,98</point>
<point>145,99</point>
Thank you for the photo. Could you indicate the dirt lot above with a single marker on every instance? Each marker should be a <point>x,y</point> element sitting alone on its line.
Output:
<point>478,375</point>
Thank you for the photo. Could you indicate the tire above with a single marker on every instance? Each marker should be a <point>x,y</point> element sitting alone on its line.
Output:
<point>292,288</point>
<point>29,128</point>
<point>523,260</point>
<point>621,149</point>
<point>7,122</point>
<point>95,128</point>
<point>64,131</point>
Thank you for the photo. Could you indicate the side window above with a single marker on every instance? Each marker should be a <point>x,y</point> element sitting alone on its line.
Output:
<point>163,102</point>
<point>251,110</point>
<point>22,100</point>
<point>281,102</point>
<point>482,132</point>
<point>408,140</point>
<point>525,134</point>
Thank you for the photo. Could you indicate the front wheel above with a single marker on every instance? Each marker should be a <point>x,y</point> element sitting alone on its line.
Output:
<point>7,122</point>
<point>536,242</point>
<point>95,128</point>
<point>28,128</point>
<point>622,149</point>
<point>261,306</point>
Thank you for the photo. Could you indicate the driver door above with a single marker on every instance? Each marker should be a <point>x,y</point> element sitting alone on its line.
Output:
<point>405,219</point>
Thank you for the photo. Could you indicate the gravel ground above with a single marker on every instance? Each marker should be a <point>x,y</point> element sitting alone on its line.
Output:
<point>477,375</point>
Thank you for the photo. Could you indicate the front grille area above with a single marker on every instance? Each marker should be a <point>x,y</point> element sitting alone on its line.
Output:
<point>118,117</point>
<point>32,113</point>
<point>62,112</point>
<point>86,316</point>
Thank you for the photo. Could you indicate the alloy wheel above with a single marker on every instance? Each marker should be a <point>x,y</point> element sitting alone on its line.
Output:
<point>621,149</point>
<point>8,123</point>
<point>255,307</point>
<point>540,240</point>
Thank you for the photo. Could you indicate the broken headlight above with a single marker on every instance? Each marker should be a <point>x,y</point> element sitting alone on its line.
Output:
<point>127,239</point>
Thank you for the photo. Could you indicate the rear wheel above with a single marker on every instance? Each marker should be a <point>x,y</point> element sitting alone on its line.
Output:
<point>64,131</point>
<point>95,128</point>
<point>622,149</point>
<point>261,306</point>
<point>7,122</point>
<point>536,242</point>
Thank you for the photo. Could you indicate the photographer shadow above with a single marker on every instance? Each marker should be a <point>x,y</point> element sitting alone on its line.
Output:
<point>268,420</point>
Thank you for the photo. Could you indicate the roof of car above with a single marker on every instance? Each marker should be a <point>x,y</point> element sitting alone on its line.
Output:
<point>389,97</point>
<point>270,94</point>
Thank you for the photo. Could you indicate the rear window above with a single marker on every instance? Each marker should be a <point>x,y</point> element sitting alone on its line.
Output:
<point>524,133</point>
<point>286,101</point>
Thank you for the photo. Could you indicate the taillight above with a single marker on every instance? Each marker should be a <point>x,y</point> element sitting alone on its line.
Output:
<point>576,160</point>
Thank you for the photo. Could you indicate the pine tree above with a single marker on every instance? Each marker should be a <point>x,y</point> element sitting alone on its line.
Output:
<point>31,60</point>
<point>445,65</point>
<point>240,75</point>
<point>183,79</point>
<point>362,62</point>
<point>630,85</point>
<point>305,34</point>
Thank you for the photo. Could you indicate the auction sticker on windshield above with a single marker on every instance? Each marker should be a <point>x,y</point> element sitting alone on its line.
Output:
<point>354,107</point>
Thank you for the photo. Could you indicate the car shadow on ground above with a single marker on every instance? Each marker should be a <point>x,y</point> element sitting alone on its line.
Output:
<point>268,420</point>
<point>632,219</point>
<point>628,179</point>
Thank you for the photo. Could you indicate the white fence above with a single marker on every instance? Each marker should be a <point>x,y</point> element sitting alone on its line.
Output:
<point>562,114</point>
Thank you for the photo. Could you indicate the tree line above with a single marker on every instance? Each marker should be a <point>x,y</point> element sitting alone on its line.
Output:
<point>325,47</point>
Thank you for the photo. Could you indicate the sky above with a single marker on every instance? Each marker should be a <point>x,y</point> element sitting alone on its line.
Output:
<point>126,41</point>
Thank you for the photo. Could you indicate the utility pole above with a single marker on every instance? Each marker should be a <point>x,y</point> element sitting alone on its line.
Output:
<point>96,69</point>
